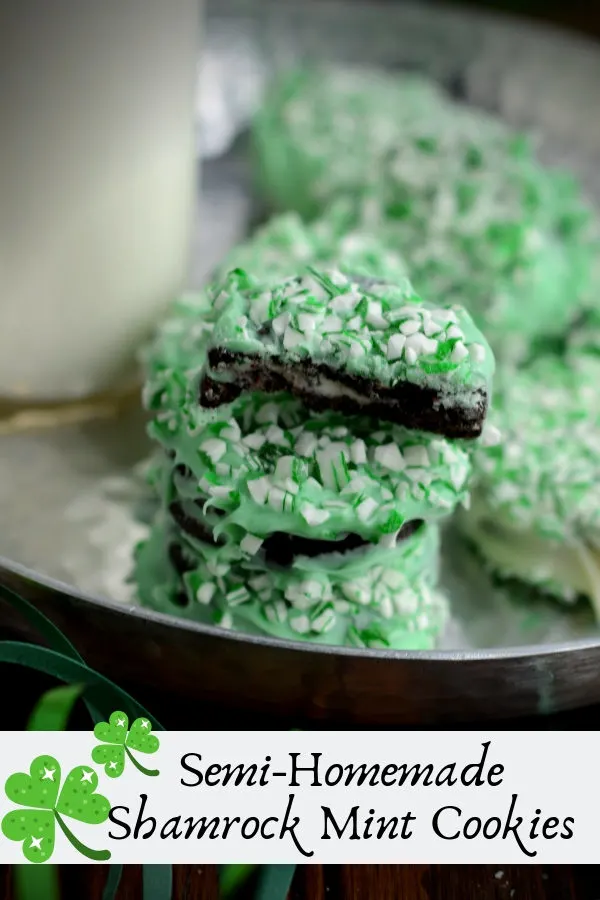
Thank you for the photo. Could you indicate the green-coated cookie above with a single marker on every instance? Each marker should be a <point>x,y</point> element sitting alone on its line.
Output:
<point>353,344</point>
<point>375,597</point>
<point>322,131</point>
<point>269,467</point>
<point>285,244</point>
<point>535,510</point>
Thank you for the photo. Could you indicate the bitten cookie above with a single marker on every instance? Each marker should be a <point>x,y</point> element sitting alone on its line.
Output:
<point>352,345</point>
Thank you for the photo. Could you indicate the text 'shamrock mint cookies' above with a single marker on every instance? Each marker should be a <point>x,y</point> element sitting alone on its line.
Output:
<point>353,345</point>
<point>279,512</point>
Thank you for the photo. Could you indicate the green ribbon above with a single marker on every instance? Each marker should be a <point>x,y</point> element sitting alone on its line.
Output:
<point>105,694</point>
<point>101,696</point>
<point>274,882</point>
<point>52,712</point>
<point>157,882</point>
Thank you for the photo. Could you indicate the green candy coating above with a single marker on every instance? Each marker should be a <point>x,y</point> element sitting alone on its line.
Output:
<point>376,597</point>
<point>383,333</point>
<point>535,510</point>
<point>324,131</point>
<point>456,192</point>
<point>269,468</point>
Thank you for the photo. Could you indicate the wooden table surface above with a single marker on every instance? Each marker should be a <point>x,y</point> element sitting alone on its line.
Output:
<point>400,882</point>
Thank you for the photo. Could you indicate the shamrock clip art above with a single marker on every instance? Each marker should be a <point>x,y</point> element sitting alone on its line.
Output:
<point>118,742</point>
<point>42,806</point>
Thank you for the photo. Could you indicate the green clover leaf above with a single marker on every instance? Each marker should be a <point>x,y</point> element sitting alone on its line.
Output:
<point>118,742</point>
<point>42,806</point>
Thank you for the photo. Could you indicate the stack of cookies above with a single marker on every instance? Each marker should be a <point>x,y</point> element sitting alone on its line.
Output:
<point>315,430</point>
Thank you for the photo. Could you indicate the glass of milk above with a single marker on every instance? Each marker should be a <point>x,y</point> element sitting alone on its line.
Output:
<point>97,186</point>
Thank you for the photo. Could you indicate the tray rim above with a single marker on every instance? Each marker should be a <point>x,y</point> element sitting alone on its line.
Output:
<point>511,653</point>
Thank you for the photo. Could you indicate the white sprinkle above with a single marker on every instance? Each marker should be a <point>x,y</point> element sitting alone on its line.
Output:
<point>358,452</point>
<point>214,448</point>
<point>406,602</point>
<point>291,486</point>
<point>490,436</point>
<point>277,498</point>
<point>219,490</point>
<point>356,592</point>
<point>280,323</point>
<point>306,444</point>
<point>411,326</point>
<point>226,620</point>
<point>232,431</point>
<point>458,476</point>
<point>307,322</point>
<point>251,544</point>
<point>259,583</point>
<point>356,349</point>
<point>254,441</point>
<point>392,578</point>
<point>445,315</point>
<point>341,606</point>
<point>395,346</point>
<point>292,338</point>
<point>374,315</point>
<point>345,303</point>
<point>237,596</point>
<point>274,434</point>
<point>410,356</point>
<point>421,345</point>
<point>416,474</point>
<point>259,308</point>
<point>416,455</point>
<point>338,278</point>
<point>300,624</point>
<point>366,509</point>
<point>455,332</point>
<point>354,324</point>
<point>283,469</point>
<point>477,352</point>
<point>324,623</point>
<point>459,352</point>
<point>386,608</point>
<point>431,328</point>
<point>330,462</point>
<point>390,457</point>
<point>331,324</point>
<point>357,484</point>
<point>205,593</point>
<point>259,489</point>
<point>312,515</point>
<point>267,413</point>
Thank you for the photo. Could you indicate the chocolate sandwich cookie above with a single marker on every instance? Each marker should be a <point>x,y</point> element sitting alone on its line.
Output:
<point>374,597</point>
<point>285,244</point>
<point>535,507</point>
<point>352,345</point>
<point>269,467</point>
<point>457,192</point>
<point>323,131</point>
<point>510,241</point>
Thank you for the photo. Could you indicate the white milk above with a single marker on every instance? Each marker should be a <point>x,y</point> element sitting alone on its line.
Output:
<point>96,185</point>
